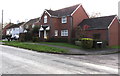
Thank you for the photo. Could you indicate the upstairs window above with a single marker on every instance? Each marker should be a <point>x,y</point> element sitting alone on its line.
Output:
<point>64,19</point>
<point>45,19</point>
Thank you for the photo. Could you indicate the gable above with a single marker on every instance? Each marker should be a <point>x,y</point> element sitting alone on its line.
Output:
<point>45,13</point>
<point>63,12</point>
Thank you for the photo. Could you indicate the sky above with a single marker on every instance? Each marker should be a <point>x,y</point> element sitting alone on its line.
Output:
<point>23,10</point>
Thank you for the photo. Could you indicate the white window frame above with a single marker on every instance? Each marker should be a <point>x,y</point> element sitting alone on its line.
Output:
<point>45,19</point>
<point>27,26</point>
<point>56,32</point>
<point>33,26</point>
<point>64,32</point>
<point>64,19</point>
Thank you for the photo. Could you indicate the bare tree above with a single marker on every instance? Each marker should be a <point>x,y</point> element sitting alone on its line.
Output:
<point>95,15</point>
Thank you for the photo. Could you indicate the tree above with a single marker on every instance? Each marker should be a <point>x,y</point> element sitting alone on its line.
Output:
<point>35,30</point>
<point>82,31</point>
<point>95,15</point>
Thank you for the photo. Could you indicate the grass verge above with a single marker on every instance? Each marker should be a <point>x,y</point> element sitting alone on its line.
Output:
<point>40,48</point>
<point>115,47</point>
<point>62,44</point>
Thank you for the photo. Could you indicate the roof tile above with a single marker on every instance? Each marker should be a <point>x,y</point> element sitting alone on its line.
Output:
<point>98,22</point>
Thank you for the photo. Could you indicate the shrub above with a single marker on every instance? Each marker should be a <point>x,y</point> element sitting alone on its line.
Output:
<point>86,43</point>
<point>22,37</point>
<point>78,43</point>
<point>73,40</point>
<point>86,39</point>
<point>3,36</point>
<point>25,37</point>
<point>35,39</point>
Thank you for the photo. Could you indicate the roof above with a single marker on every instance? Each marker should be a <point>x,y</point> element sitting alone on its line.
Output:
<point>31,21</point>
<point>97,23</point>
<point>63,12</point>
<point>15,25</point>
<point>6,27</point>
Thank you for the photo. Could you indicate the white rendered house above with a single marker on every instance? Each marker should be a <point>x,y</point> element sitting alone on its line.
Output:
<point>14,30</point>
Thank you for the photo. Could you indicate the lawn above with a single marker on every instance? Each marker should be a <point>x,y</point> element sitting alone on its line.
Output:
<point>115,47</point>
<point>62,44</point>
<point>41,48</point>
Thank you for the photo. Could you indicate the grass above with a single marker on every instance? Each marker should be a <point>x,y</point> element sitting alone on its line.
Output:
<point>62,44</point>
<point>115,47</point>
<point>40,48</point>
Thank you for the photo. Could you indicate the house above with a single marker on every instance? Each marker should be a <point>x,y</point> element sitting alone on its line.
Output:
<point>29,25</point>
<point>5,28</point>
<point>14,30</point>
<point>103,28</point>
<point>61,24</point>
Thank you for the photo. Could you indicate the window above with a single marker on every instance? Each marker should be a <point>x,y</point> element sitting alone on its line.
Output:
<point>27,26</point>
<point>96,36</point>
<point>33,26</point>
<point>56,32</point>
<point>64,32</point>
<point>45,19</point>
<point>64,19</point>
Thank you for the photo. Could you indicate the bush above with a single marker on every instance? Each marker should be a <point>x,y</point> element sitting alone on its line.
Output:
<point>35,39</point>
<point>25,37</point>
<point>78,43</point>
<point>73,40</point>
<point>3,36</point>
<point>22,37</point>
<point>86,43</point>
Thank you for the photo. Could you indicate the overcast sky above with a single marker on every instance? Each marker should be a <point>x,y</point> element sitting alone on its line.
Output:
<point>21,10</point>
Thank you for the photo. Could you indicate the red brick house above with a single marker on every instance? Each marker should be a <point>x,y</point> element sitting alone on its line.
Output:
<point>5,28</point>
<point>61,24</point>
<point>29,25</point>
<point>102,28</point>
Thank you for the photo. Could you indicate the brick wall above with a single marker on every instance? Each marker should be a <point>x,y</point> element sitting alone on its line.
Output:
<point>113,33</point>
<point>78,16</point>
<point>89,33</point>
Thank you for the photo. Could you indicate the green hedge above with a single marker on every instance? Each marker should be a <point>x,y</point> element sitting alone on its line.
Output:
<point>25,37</point>
<point>86,43</point>
<point>35,39</point>
<point>78,43</point>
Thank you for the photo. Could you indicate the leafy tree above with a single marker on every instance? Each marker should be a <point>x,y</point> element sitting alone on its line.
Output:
<point>35,30</point>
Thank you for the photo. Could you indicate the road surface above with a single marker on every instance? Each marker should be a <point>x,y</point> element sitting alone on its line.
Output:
<point>20,61</point>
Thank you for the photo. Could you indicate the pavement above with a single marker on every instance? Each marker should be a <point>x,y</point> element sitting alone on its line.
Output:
<point>73,51</point>
<point>22,61</point>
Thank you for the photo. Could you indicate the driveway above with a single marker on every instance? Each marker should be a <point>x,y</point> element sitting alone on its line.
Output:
<point>20,61</point>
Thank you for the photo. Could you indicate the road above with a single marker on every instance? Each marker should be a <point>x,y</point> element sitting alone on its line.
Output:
<point>21,61</point>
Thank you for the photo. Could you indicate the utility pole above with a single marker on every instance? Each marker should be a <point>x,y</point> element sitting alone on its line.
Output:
<point>2,19</point>
<point>1,27</point>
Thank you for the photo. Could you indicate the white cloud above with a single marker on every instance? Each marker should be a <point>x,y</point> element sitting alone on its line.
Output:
<point>27,9</point>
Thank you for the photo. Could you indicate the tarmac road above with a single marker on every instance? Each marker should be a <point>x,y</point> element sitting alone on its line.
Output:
<point>21,61</point>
